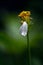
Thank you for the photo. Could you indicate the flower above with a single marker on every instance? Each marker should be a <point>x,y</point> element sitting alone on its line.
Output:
<point>25,16</point>
<point>24,13</point>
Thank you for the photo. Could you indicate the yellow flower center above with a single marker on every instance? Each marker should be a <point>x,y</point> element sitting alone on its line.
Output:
<point>25,16</point>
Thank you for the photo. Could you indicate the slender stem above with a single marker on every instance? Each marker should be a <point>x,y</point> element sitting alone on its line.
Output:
<point>28,49</point>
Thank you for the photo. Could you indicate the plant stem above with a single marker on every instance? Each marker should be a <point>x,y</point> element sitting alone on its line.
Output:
<point>28,49</point>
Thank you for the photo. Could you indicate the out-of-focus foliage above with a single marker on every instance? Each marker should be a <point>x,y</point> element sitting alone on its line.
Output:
<point>12,42</point>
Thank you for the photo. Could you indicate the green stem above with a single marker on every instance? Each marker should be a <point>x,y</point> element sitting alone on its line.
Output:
<point>28,49</point>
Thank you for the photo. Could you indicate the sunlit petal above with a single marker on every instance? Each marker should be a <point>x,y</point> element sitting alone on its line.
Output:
<point>24,29</point>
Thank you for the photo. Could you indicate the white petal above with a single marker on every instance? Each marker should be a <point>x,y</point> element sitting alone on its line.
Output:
<point>24,29</point>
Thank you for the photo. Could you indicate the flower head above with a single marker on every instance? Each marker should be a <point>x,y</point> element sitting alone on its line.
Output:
<point>24,13</point>
<point>25,16</point>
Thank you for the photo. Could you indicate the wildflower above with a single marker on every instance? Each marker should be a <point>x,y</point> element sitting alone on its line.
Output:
<point>25,16</point>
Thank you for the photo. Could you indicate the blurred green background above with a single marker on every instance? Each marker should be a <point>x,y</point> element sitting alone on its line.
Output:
<point>13,47</point>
